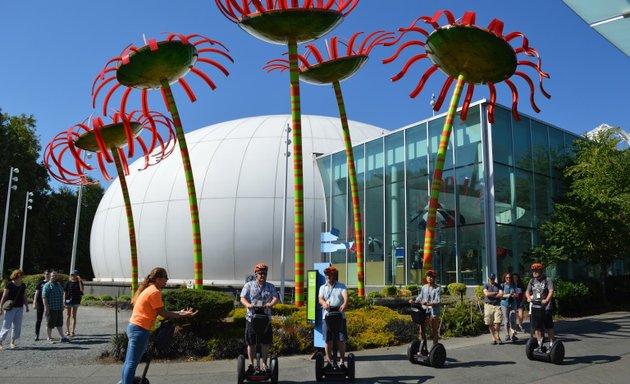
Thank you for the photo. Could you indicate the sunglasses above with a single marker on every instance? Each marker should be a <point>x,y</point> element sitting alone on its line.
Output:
<point>262,273</point>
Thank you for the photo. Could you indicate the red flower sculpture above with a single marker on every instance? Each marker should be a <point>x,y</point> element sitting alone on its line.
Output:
<point>482,55</point>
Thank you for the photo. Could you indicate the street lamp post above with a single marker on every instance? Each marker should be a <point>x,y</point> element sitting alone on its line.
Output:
<point>12,179</point>
<point>284,212</point>
<point>75,237</point>
<point>27,206</point>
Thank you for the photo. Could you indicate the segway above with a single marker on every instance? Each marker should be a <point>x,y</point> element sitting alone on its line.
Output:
<point>555,354</point>
<point>260,322</point>
<point>417,352</point>
<point>161,341</point>
<point>334,320</point>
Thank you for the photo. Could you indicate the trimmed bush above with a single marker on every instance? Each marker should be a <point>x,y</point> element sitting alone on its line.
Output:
<point>284,309</point>
<point>458,289</point>
<point>226,347</point>
<point>390,290</point>
<point>123,298</point>
<point>106,297</point>
<point>574,298</point>
<point>461,320</point>
<point>212,306</point>
<point>376,326</point>
<point>90,297</point>
<point>479,292</point>
<point>354,301</point>
<point>414,289</point>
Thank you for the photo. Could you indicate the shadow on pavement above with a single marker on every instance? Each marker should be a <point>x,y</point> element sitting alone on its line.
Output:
<point>452,363</point>
<point>389,357</point>
<point>592,359</point>
<point>57,347</point>
<point>378,380</point>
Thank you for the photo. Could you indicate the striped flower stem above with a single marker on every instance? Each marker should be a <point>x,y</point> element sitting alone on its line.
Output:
<point>356,205</point>
<point>298,189</point>
<point>190,183</point>
<point>436,184</point>
<point>130,224</point>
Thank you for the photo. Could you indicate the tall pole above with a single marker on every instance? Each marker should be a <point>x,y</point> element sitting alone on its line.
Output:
<point>284,212</point>
<point>75,237</point>
<point>6,215</point>
<point>27,206</point>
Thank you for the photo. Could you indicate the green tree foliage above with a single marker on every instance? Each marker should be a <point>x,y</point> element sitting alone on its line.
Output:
<point>50,225</point>
<point>591,222</point>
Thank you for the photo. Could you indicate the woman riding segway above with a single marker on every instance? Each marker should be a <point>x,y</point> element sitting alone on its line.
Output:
<point>425,309</point>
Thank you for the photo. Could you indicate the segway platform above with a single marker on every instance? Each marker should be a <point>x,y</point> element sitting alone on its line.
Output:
<point>333,321</point>
<point>418,353</point>
<point>161,341</point>
<point>260,322</point>
<point>553,354</point>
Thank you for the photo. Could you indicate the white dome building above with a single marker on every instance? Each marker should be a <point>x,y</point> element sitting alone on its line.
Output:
<point>239,170</point>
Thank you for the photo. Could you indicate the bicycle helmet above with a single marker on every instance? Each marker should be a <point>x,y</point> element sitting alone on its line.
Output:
<point>537,267</point>
<point>262,267</point>
<point>331,271</point>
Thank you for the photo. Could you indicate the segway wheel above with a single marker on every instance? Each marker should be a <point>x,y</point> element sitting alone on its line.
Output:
<point>319,366</point>
<point>412,351</point>
<point>140,380</point>
<point>350,366</point>
<point>531,344</point>
<point>437,356</point>
<point>273,366</point>
<point>556,354</point>
<point>240,369</point>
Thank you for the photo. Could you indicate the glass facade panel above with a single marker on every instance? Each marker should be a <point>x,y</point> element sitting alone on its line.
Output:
<point>394,172</point>
<point>522,144</point>
<point>540,148</point>
<point>468,139</point>
<point>502,137</point>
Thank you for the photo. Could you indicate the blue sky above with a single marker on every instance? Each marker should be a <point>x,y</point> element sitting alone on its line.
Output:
<point>52,50</point>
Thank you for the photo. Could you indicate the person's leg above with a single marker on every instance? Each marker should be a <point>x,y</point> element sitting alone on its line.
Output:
<point>328,344</point>
<point>38,321</point>
<point>487,319</point>
<point>138,341</point>
<point>68,314</point>
<point>504,313</point>
<point>17,324</point>
<point>7,322</point>
<point>75,309</point>
<point>341,346</point>
<point>250,340</point>
<point>435,328</point>
<point>520,318</point>
<point>498,319</point>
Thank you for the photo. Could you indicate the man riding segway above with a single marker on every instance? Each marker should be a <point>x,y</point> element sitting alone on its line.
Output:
<point>539,293</point>
<point>258,296</point>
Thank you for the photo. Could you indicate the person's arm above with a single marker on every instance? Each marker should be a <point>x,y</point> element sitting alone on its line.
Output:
<point>528,293</point>
<point>35,296</point>
<point>186,312</point>
<point>45,299</point>
<point>344,295</point>
<point>322,302</point>
<point>437,299</point>
<point>5,293</point>
<point>246,302</point>
<point>25,299</point>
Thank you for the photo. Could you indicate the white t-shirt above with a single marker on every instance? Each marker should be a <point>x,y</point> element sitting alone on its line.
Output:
<point>333,295</point>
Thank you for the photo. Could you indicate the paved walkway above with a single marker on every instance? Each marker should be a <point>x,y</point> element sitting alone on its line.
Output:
<point>597,350</point>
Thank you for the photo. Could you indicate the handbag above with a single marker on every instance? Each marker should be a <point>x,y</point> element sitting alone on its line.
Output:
<point>8,305</point>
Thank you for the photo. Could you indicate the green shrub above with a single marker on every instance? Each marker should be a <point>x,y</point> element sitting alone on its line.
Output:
<point>374,295</point>
<point>461,320</point>
<point>90,297</point>
<point>184,344</point>
<point>376,326</point>
<point>291,336</point>
<point>354,301</point>
<point>222,348</point>
<point>458,289</point>
<point>31,282</point>
<point>239,315</point>
<point>212,306</point>
<point>106,297</point>
<point>570,298</point>
<point>123,298</point>
<point>479,292</point>
<point>390,290</point>
<point>284,309</point>
<point>414,289</point>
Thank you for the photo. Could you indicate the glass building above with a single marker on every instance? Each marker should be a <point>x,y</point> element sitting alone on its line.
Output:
<point>498,184</point>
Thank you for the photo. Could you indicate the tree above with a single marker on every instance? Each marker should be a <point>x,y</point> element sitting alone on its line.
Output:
<point>591,222</point>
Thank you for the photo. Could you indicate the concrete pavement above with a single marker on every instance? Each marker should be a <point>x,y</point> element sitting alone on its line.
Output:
<point>597,350</point>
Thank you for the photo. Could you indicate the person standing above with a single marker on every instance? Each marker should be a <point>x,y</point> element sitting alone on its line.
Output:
<point>147,305</point>
<point>508,307</point>
<point>492,308</point>
<point>258,293</point>
<point>539,293</point>
<point>52,296</point>
<point>15,291</point>
<point>333,295</point>
<point>73,291</point>
<point>520,300</point>
<point>38,303</point>
<point>429,297</point>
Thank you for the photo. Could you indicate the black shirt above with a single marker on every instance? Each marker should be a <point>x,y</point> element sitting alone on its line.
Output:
<point>73,291</point>
<point>16,294</point>
<point>40,300</point>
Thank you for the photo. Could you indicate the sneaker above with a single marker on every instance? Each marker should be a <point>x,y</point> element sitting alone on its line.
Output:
<point>493,342</point>
<point>36,338</point>
<point>250,370</point>
<point>12,346</point>
<point>51,341</point>
<point>514,338</point>
<point>500,342</point>
<point>507,337</point>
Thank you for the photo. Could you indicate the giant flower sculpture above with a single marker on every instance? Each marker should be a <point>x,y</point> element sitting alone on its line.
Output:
<point>290,22</point>
<point>466,54</point>
<point>64,160</point>
<point>339,66</point>
<point>157,65</point>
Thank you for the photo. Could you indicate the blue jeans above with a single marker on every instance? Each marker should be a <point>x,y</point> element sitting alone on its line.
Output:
<point>138,340</point>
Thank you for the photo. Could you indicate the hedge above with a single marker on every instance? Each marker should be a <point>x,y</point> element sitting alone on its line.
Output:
<point>212,306</point>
